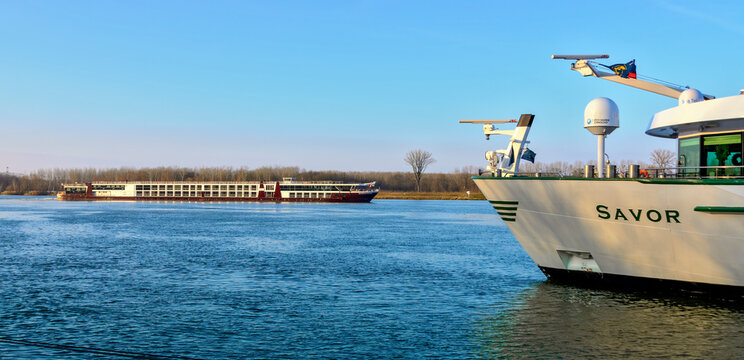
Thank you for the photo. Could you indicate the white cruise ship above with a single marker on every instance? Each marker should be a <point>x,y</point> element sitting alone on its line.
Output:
<point>288,189</point>
<point>680,227</point>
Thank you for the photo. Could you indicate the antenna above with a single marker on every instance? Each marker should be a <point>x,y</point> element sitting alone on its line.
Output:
<point>488,121</point>
<point>586,68</point>
<point>579,57</point>
<point>506,162</point>
<point>489,129</point>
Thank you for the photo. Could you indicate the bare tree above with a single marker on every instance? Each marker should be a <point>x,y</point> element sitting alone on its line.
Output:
<point>662,158</point>
<point>419,161</point>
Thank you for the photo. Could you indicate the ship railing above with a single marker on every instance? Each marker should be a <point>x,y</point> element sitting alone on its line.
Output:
<point>365,188</point>
<point>697,172</point>
<point>679,172</point>
<point>539,174</point>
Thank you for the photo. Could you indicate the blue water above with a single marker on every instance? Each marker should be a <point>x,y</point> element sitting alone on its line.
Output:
<point>389,279</point>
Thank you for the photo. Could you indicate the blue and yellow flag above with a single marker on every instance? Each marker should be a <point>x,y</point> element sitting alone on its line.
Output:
<point>529,155</point>
<point>627,70</point>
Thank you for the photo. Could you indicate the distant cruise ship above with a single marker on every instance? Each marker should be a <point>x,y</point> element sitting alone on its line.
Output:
<point>276,191</point>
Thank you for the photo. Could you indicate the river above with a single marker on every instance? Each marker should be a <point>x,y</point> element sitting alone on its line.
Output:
<point>388,279</point>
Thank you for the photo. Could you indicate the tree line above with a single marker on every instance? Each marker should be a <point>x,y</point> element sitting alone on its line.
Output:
<point>49,181</point>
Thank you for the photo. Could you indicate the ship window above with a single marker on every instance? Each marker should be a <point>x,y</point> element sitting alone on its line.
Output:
<point>722,150</point>
<point>108,187</point>
<point>223,187</point>
<point>76,190</point>
<point>689,157</point>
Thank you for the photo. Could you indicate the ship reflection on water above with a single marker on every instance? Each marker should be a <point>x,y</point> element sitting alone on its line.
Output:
<point>557,321</point>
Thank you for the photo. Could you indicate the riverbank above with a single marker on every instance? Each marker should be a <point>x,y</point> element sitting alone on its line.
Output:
<point>30,193</point>
<point>428,196</point>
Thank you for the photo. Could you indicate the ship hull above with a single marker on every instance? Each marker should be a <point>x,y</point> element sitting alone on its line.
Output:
<point>640,284</point>
<point>625,231</point>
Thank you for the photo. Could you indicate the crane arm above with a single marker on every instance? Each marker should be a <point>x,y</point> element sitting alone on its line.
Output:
<point>584,66</point>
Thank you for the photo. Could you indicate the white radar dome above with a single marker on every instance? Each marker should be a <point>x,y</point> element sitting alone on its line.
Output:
<point>601,116</point>
<point>690,96</point>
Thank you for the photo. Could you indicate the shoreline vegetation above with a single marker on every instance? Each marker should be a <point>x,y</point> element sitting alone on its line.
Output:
<point>393,185</point>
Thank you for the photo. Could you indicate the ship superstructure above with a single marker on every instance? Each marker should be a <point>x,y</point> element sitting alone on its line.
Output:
<point>288,189</point>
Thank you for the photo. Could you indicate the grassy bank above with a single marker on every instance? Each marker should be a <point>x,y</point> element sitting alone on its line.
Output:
<point>428,195</point>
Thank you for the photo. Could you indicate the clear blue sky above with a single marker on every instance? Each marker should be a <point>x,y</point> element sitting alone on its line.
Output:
<point>343,85</point>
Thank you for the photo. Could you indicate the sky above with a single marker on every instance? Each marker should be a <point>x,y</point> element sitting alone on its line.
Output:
<point>338,85</point>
